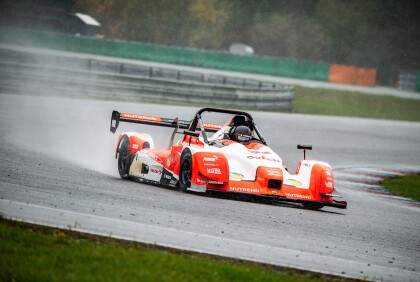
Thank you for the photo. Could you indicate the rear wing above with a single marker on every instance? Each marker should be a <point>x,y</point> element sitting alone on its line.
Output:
<point>117,117</point>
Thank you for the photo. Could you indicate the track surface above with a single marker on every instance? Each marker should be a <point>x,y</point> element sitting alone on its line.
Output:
<point>57,169</point>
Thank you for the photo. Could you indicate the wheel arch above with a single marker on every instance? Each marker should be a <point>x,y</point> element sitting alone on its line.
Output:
<point>137,141</point>
<point>208,166</point>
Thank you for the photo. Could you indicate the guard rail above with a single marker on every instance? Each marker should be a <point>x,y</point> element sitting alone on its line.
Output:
<point>27,72</point>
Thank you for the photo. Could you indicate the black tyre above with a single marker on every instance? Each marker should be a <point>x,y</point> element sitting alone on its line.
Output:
<point>312,206</point>
<point>124,158</point>
<point>185,170</point>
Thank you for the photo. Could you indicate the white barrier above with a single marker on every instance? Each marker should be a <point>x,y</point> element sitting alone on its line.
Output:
<point>79,77</point>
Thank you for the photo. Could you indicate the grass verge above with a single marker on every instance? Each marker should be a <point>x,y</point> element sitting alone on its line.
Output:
<point>331,102</point>
<point>407,186</point>
<point>36,253</point>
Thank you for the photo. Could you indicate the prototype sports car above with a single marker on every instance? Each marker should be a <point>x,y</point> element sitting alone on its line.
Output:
<point>231,157</point>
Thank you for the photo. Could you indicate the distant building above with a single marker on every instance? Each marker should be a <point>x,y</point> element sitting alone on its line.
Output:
<point>83,24</point>
<point>47,15</point>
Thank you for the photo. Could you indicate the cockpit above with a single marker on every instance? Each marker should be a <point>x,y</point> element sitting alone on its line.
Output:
<point>237,128</point>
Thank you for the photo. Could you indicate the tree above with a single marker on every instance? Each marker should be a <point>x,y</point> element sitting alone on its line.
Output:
<point>289,36</point>
<point>209,18</point>
<point>383,34</point>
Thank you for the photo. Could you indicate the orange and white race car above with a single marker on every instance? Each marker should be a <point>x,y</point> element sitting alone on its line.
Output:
<point>231,157</point>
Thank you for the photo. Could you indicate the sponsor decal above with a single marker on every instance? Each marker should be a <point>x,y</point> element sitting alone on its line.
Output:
<point>307,165</point>
<point>263,158</point>
<point>215,182</point>
<point>168,176</point>
<point>236,175</point>
<point>260,179</point>
<point>294,182</point>
<point>156,158</point>
<point>257,152</point>
<point>248,190</point>
<point>298,196</point>
<point>140,117</point>
<point>135,146</point>
<point>200,181</point>
<point>274,191</point>
<point>328,172</point>
<point>273,172</point>
<point>214,170</point>
<point>113,123</point>
<point>168,161</point>
<point>329,184</point>
<point>155,171</point>
<point>212,125</point>
<point>210,159</point>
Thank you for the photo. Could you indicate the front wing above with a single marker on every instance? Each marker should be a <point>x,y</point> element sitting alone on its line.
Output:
<point>278,198</point>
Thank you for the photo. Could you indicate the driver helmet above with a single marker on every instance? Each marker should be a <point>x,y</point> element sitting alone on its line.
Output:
<point>242,133</point>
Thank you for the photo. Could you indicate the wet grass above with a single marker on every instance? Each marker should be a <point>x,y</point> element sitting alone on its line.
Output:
<point>320,101</point>
<point>407,186</point>
<point>35,253</point>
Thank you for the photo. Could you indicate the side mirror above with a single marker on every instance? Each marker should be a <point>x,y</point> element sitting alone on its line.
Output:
<point>304,148</point>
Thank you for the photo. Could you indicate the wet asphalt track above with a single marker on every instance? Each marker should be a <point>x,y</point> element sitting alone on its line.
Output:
<point>57,169</point>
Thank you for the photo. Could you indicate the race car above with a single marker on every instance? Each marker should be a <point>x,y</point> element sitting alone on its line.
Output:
<point>232,157</point>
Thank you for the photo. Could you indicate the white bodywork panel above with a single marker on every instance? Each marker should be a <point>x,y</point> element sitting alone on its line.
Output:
<point>155,169</point>
<point>243,164</point>
<point>245,161</point>
<point>303,178</point>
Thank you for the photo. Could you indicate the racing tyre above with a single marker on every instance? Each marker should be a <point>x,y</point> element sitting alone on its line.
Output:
<point>124,157</point>
<point>312,206</point>
<point>185,170</point>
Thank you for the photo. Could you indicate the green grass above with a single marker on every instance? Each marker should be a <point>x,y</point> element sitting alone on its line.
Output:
<point>35,253</point>
<point>354,104</point>
<point>407,186</point>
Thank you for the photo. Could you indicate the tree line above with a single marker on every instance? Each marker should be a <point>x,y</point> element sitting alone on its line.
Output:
<point>382,34</point>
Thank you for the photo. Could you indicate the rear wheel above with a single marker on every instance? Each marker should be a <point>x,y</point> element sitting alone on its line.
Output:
<point>185,170</point>
<point>124,158</point>
<point>312,206</point>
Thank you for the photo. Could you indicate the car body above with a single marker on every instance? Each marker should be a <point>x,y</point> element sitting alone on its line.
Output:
<point>201,162</point>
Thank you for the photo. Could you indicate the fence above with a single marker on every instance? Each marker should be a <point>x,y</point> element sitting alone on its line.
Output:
<point>30,72</point>
<point>406,81</point>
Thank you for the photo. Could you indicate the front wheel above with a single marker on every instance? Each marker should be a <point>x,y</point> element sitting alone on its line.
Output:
<point>185,170</point>
<point>124,157</point>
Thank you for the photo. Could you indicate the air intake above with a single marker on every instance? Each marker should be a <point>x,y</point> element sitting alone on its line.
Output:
<point>274,183</point>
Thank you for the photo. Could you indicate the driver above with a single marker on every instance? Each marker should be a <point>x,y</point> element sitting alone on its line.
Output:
<point>241,133</point>
<point>238,130</point>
